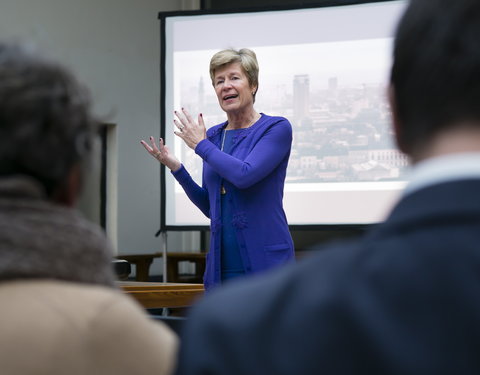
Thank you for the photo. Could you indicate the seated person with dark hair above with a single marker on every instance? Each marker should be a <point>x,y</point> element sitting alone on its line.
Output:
<point>403,299</point>
<point>61,311</point>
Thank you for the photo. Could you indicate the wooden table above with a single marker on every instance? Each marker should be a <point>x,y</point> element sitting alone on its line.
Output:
<point>173,260</point>
<point>159,295</point>
<point>143,262</point>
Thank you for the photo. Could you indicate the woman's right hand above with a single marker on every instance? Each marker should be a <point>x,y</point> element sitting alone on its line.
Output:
<point>162,154</point>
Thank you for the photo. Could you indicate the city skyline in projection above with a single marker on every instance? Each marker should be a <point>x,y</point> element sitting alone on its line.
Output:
<point>334,95</point>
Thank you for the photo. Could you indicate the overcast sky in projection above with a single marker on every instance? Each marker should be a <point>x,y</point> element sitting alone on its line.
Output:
<point>354,62</point>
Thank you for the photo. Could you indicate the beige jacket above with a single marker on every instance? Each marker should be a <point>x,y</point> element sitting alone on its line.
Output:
<point>57,327</point>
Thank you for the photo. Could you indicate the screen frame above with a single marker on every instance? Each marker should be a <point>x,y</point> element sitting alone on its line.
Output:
<point>162,16</point>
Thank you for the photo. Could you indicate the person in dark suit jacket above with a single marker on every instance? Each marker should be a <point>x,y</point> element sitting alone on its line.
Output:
<point>405,298</point>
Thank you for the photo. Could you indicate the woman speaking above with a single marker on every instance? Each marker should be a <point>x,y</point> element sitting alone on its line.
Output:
<point>244,166</point>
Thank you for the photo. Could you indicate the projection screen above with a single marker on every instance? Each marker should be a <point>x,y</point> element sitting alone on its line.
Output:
<point>326,70</point>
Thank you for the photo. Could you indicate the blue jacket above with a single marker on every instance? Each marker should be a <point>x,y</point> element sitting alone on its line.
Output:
<point>254,176</point>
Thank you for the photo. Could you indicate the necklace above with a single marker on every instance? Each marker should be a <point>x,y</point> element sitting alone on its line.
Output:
<point>223,191</point>
<point>223,139</point>
<point>222,188</point>
<point>255,119</point>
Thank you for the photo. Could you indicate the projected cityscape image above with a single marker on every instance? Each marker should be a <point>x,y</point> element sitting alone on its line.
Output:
<point>334,94</point>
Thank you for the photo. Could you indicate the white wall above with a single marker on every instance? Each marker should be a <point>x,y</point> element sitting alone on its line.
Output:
<point>113,47</point>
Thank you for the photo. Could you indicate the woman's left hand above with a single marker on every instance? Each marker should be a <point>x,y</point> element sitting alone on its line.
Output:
<point>190,131</point>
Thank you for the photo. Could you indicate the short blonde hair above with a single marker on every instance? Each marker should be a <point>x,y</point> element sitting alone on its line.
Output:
<point>247,59</point>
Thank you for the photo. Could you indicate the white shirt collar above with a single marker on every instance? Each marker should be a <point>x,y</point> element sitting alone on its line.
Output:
<point>443,169</point>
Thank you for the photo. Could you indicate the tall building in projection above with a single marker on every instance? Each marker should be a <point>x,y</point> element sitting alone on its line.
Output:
<point>332,84</point>
<point>301,96</point>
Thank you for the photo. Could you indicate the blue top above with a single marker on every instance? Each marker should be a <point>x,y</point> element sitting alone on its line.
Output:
<point>231,260</point>
<point>254,173</point>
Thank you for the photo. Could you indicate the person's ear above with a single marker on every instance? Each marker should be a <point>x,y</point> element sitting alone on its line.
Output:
<point>67,193</point>
<point>396,123</point>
